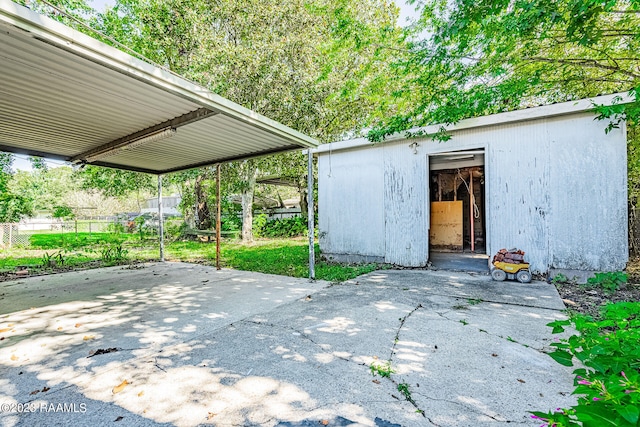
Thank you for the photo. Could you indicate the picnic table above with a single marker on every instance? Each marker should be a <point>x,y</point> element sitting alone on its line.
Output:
<point>211,234</point>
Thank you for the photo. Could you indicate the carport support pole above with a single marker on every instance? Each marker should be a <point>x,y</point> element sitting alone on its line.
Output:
<point>471,211</point>
<point>311,222</point>
<point>160,219</point>
<point>218,216</point>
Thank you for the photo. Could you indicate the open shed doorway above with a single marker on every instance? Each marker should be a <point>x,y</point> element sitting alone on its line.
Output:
<point>457,232</point>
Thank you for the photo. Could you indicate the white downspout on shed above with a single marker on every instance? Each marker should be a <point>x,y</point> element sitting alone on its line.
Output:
<point>555,186</point>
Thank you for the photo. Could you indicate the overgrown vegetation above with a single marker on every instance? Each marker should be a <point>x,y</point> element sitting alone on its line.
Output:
<point>560,279</point>
<point>608,386</point>
<point>114,253</point>
<point>608,281</point>
<point>69,240</point>
<point>287,257</point>
<point>281,227</point>
<point>52,260</point>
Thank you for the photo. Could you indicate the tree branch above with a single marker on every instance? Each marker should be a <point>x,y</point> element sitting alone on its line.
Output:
<point>589,63</point>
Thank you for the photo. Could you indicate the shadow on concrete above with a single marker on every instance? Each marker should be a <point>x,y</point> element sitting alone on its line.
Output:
<point>201,347</point>
<point>453,261</point>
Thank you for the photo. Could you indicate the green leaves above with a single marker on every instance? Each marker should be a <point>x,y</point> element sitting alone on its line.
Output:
<point>115,183</point>
<point>630,413</point>
<point>608,387</point>
<point>13,207</point>
<point>563,357</point>
<point>558,326</point>
<point>609,281</point>
<point>480,57</point>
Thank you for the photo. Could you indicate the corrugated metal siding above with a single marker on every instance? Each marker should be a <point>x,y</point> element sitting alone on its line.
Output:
<point>405,206</point>
<point>219,137</point>
<point>350,203</point>
<point>589,224</point>
<point>517,175</point>
<point>555,188</point>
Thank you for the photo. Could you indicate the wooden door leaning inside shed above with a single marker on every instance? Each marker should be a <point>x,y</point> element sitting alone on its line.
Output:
<point>457,220</point>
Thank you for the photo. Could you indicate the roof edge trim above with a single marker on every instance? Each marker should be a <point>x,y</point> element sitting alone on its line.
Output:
<point>533,113</point>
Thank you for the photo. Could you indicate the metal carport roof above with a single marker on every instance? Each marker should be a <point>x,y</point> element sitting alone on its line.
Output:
<point>68,96</point>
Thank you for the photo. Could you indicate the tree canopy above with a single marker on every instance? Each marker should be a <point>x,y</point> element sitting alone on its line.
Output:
<point>475,57</point>
<point>319,67</point>
<point>12,205</point>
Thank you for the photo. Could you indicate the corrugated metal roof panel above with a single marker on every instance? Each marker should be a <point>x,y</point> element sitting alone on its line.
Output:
<point>63,94</point>
<point>219,131</point>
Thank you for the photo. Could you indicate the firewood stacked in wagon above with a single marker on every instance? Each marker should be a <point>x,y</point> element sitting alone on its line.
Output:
<point>510,264</point>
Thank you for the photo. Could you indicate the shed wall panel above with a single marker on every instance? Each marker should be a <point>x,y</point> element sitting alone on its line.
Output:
<point>517,174</point>
<point>588,195</point>
<point>516,180</point>
<point>350,203</point>
<point>405,206</point>
<point>555,188</point>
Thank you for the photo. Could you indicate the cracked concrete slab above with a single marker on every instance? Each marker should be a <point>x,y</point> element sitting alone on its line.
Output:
<point>195,346</point>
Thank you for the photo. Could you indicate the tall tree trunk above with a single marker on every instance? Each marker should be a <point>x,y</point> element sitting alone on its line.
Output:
<point>250,175</point>
<point>304,206</point>
<point>188,211</point>
<point>202,207</point>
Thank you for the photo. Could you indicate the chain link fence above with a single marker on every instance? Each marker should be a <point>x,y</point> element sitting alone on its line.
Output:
<point>14,235</point>
<point>11,235</point>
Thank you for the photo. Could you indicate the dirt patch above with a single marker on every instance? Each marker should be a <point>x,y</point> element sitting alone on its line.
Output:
<point>588,300</point>
<point>33,271</point>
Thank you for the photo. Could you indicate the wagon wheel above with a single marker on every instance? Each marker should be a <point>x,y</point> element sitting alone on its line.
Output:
<point>523,276</point>
<point>499,275</point>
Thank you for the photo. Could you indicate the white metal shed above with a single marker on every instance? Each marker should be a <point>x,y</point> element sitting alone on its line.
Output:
<point>547,180</point>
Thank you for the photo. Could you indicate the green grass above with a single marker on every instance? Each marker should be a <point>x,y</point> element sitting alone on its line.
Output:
<point>68,240</point>
<point>34,259</point>
<point>287,257</point>
<point>10,263</point>
<point>175,251</point>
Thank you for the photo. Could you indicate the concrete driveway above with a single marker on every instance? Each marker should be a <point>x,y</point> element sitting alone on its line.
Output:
<point>186,345</point>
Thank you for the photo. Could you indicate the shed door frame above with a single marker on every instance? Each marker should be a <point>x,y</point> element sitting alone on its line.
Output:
<point>457,160</point>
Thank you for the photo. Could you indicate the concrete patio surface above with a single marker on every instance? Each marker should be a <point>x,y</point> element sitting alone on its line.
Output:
<point>455,261</point>
<point>186,345</point>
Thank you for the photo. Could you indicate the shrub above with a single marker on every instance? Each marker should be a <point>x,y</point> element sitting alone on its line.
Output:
<point>609,384</point>
<point>56,259</point>
<point>114,252</point>
<point>609,281</point>
<point>68,241</point>
<point>230,223</point>
<point>259,222</point>
<point>560,279</point>
<point>285,227</point>
<point>116,228</point>
<point>174,230</point>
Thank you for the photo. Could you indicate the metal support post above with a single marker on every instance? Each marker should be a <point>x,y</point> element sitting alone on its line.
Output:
<point>311,222</point>
<point>160,219</point>
<point>218,221</point>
